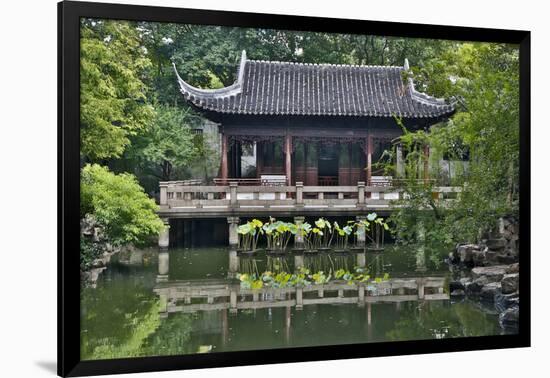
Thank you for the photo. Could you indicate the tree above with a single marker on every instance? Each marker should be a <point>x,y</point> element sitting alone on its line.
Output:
<point>119,204</point>
<point>485,78</point>
<point>168,144</point>
<point>113,95</point>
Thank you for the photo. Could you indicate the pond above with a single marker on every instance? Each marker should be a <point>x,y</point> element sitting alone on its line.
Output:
<point>126,314</point>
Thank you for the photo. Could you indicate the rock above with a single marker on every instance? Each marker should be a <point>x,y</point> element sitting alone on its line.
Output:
<point>478,258</point>
<point>514,268</point>
<point>492,273</point>
<point>506,301</point>
<point>464,252</point>
<point>489,291</point>
<point>509,318</point>
<point>507,257</point>
<point>473,288</point>
<point>458,293</point>
<point>456,285</point>
<point>510,283</point>
<point>491,257</point>
<point>496,244</point>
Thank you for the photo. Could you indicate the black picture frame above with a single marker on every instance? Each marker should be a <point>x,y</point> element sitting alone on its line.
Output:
<point>69,14</point>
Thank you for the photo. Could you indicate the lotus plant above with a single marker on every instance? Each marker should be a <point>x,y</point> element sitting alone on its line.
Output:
<point>278,234</point>
<point>342,235</point>
<point>322,234</point>
<point>249,233</point>
<point>305,277</point>
<point>373,227</point>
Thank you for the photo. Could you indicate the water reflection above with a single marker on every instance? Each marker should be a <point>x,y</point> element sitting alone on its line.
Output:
<point>186,301</point>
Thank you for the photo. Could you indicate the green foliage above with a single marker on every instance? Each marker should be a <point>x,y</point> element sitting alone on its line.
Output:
<point>89,251</point>
<point>119,205</point>
<point>278,233</point>
<point>113,94</point>
<point>168,145</point>
<point>304,277</point>
<point>485,79</point>
<point>249,234</point>
<point>117,323</point>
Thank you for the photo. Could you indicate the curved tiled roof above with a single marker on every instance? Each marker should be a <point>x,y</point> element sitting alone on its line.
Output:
<point>286,88</point>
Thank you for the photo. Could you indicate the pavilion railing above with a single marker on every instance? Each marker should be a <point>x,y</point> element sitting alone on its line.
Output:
<point>174,194</point>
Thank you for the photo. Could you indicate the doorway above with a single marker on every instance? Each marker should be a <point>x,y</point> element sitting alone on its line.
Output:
<point>328,164</point>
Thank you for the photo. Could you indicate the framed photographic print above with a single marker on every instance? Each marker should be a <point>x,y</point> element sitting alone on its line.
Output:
<point>241,188</point>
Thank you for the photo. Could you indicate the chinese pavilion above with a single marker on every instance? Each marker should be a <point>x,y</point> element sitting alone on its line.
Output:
<point>320,124</point>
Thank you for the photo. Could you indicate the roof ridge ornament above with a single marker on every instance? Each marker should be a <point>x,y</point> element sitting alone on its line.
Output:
<point>240,74</point>
<point>189,90</point>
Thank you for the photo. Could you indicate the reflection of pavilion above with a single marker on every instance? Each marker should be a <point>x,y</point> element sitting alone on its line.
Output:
<point>217,298</point>
<point>211,294</point>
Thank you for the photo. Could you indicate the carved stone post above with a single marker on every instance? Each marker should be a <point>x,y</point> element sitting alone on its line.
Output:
<point>233,235</point>
<point>299,193</point>
<point>361,193</point>
<point>233,194</point>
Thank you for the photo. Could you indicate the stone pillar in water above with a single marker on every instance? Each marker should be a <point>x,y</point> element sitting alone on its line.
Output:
<point>361,260</point>
<point>163,265</point>
<point>361,232</point>
<point>298,262</point>
<point>361,295</point>
<point>164,235</point>
<point>233,300</point>
<point>299,298</point>
<point>233,263</point>
<point>233,235</point>
<point>299,238</point>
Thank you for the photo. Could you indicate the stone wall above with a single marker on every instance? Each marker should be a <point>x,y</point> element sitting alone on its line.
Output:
<point>488,272</point>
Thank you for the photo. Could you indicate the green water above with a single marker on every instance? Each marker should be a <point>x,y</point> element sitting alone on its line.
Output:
<point>122,316</point>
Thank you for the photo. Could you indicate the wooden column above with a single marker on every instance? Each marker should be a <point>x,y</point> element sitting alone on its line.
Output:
<point>259,159</point>
<point>224,168</point>
<point>288,159</point>
<point>426,163</point>
<point>369,159</point>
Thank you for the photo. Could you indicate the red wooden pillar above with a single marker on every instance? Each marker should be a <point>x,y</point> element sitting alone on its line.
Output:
<point>369,159</point>
<point>426,163</point>
<point>224,169</point>
<point>288,159</point>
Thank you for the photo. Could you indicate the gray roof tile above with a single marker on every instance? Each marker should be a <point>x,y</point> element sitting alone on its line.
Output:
<point>286,88</point>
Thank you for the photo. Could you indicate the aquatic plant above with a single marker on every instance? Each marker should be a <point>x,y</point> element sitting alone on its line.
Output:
<point>304,277</point>
<point>373,227</point>
<point>249,234</point>
<point>277,264</point>
<point>321,234</point>
<point>278,234</point>
<point>342,235</point>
